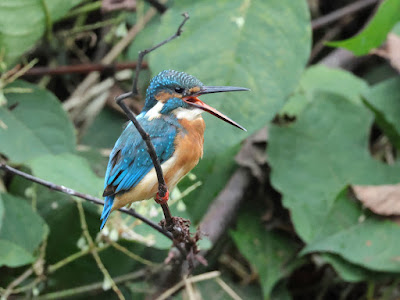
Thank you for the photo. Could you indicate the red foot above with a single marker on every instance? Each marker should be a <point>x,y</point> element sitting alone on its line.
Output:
<point>162,200</point>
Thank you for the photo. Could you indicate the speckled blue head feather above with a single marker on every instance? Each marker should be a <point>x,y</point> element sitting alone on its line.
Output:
<point>168,79</point>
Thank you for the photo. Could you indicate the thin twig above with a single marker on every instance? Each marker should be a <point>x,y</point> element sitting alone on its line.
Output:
<point>342,12</point>
<point>54,267</point>
<point>328,36</point>
<point>89,198</point>
<point>94,252</point>
<point>74,100</point>
<point>189,289</point>
<point>16,282</point>
<point>92,287</point>
<point>131,254</point>
<point>227,289</point>
<point>82,69</point>
<point>143,53</point>
<point>162,186</point>
<point>179,285</point>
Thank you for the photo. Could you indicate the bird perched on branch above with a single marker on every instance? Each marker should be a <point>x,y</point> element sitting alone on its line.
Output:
<point>172,117</point>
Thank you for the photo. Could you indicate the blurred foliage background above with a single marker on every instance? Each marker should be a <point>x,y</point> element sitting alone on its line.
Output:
<point>309,197</point>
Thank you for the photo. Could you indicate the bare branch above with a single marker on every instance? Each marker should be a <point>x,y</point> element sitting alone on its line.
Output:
<point>342,12</point>
<point>89,198</point>
<point>82,68</point>
<point>143,53</point>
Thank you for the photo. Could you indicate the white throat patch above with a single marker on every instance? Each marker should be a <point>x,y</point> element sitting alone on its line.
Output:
<point>154,112</point>
<point>188,114</point>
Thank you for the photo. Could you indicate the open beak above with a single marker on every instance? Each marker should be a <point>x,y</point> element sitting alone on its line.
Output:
<point>196,102</point>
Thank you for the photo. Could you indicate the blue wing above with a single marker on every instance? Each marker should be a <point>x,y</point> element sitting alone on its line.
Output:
<point>129,161</point>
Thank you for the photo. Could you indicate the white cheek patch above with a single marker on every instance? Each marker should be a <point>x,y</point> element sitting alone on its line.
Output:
<point>154,112</point>
<point>188,114</point>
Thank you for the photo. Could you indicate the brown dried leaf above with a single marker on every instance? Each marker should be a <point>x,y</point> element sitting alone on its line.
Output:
<point>381,199</point>
<point>390,51</point>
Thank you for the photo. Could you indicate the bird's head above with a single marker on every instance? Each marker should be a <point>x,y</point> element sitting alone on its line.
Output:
<point>172,92</point>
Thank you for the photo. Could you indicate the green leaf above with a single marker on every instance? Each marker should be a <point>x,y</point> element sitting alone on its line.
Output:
<point>270,253</point>
<point>221,45</point>
<point>384,100</point>
<point>105,130</point>
<point>68,170</point>
<point>376,31</point>
<point>16,34</point>
<point>13,255</point>
<point>1,212</point>
<point>22,232</point>
<point>36,126</point>
<point>349,272</point>
<point>372,244</point>
<point>320,78</point>
<point>313,159</point>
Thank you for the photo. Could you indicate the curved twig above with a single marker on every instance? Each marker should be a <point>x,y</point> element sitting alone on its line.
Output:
<point>162,186</point>
<point>89,198</point>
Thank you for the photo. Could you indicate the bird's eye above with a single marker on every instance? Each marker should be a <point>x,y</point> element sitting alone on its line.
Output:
<point>179,90</point>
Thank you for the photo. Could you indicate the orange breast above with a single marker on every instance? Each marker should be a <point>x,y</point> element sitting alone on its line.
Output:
<point>188,150</point>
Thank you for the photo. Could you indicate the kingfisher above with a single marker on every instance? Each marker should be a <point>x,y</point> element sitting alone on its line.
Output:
<point>172,117</point>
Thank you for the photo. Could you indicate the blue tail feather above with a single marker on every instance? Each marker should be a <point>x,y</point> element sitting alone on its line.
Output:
<point>108,203</point>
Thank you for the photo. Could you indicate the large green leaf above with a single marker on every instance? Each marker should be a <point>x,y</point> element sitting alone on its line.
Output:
<point>36,126</point>
<point>384,100</point>
<point>375,33</point>
<point>13,255</point>
<point>261,45</point>
<point>270,253</point>
<point>23,22</point>
<point>1,211</point>
<point>348,272</point>
<point>105,130</point>
<point>314,158</point>
<point>373,244</point>
<point>360,242</point>
<point>321,78</point>
<point>21,233</point>
<point>221,45</point>
<point>68,170</point>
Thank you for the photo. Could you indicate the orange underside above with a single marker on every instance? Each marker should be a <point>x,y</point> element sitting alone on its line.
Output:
<point>188,151</point>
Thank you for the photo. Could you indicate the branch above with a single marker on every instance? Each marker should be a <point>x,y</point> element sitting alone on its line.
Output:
<point>161,8</point>
<point>82,69</point>
<point>342,12</point>
<point>143,53</point>
<point>94,286</point>
<point>224,208</point>
<point>162,186</point>
<point>89,198</point>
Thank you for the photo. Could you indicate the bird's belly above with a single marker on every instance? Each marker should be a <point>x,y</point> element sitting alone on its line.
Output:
<point>147,188</point>
<point>188,151</point>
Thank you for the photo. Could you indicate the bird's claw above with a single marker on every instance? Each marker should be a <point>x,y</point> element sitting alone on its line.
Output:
<point>162,200</point>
